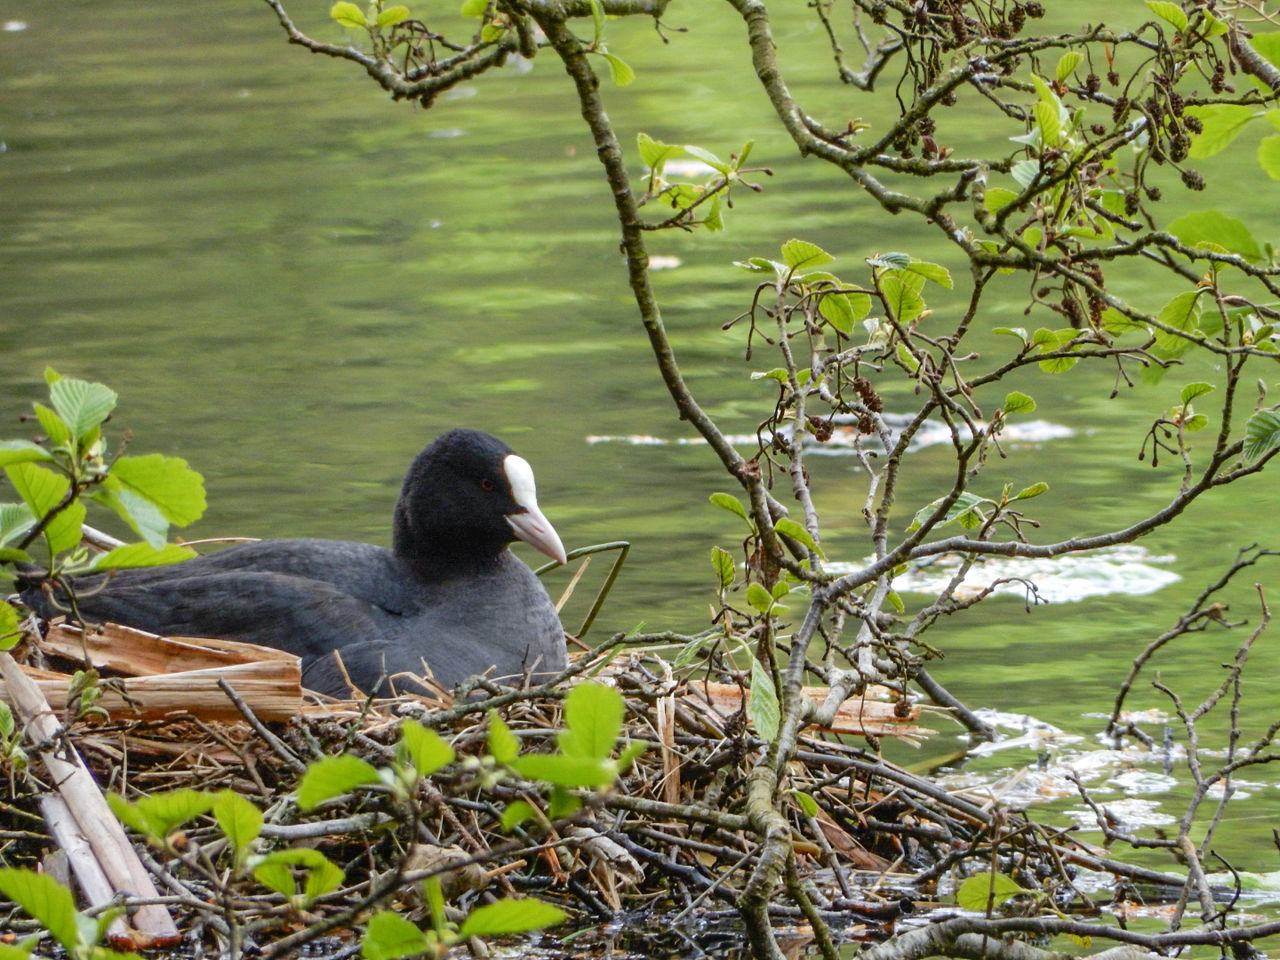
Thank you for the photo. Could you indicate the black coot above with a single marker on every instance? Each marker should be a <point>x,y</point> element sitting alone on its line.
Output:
<point>449,592</point>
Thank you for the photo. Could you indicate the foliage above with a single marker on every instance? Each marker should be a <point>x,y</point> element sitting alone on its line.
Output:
<point>72,465</point>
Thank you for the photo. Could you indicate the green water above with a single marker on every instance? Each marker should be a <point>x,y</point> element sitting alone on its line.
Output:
<point>294,284</point>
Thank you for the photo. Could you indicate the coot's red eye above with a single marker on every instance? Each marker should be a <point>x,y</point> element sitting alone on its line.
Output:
<point>486,484</point>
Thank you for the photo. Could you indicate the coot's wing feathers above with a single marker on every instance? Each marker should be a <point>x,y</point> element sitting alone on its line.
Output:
<point>300,616</point>
<point>359,570</point>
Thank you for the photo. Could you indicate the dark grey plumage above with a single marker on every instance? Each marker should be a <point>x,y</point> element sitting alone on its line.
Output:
<point>449,592</point>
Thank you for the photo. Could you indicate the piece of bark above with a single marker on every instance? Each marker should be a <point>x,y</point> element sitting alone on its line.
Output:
<point>97,825</point>
<point>138,653</point>
<point>271,690</point>
<point>871,713</point>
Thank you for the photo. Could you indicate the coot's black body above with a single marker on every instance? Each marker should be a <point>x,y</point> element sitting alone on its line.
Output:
<point>449,593</point>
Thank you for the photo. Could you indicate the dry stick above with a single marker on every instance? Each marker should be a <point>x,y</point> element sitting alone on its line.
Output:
<point>93,881</point>
<point>98,825</point>
<point>278,745</point>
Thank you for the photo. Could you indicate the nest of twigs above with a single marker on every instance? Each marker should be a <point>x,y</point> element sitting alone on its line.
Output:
<point>671,839</point>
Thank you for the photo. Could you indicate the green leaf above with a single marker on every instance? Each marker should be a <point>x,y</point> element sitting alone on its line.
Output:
<point>516,813</point>
<point>1195,422</point>
<point>21,451</point>
<point>906,358</point>
<point>81,405</point>
<point>40,489</point>
<point>931,271</point>
<point>43,490</point>
<point>143,516</point>
<point>9,633</point>
<point>593,716</point>
<point>433,893</point>
<point>566,771</point>
<point>623,75</point>
<point>176,489</point>
<point>1026,493</point>
<point>690,650</point>
<point>159,814</point>
<point>1181,313</point>
<point>1025,173</point>
<point>713,218</point>
<point>44,900</point>
<point>1052,341</point>
<point>839,312</point>
<point>763,705</point>
<point>758,265</point>
<point>275,870</point>
<point>975,892</point>
<point>1048,123</point>
<point>1220,124</point>
<point>1016,402</point>
<point>801,255</point>
<point>904,302</point>
<point>1067,64</point>
<point>806,802</point>
<point>1268,45</point>
<point>1211,26</point>
<point>707,157</point>
<point>1269,156</point>
<point>1210,226</point>
<point>724,567</point>
<point>629,754</point>
<point>727,501</point>
<point>424,749</point>
<point>390,936</point>
<point>1261,435</point>
<point>1115,322</point>
<point>655,153</point>
<point>1019,332</point>
<point>54,426</point>
<point>503,744</point>
<point>474,8</point>
<point>597,16</point>
<point>563,803</point>
<point>892,260</point>
<point>392,15</point>
<point>1170,12</point>
<point>509,916</point>
<point>997,198</point>
<point>349,15</point>
<point>759,598</point>
<point>1193,390</point>
<point>239,820</point>
<point>128,814</point>
<point>964,511</point>
<point>133,555</point>
<point>796,531</point>
<point>331,777</point>
<point>63,532</point>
